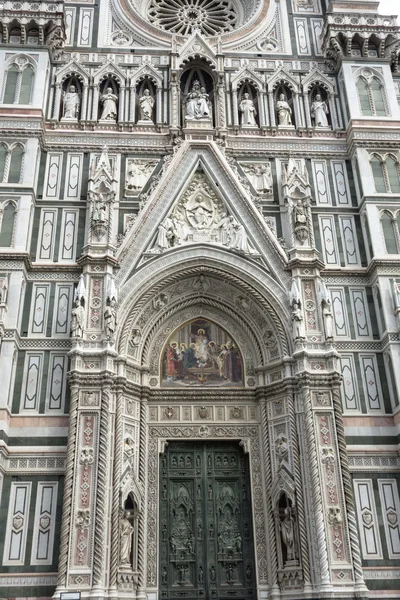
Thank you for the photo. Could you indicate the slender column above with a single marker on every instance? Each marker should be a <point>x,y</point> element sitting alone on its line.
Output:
<point>95,104</point>
<point>118,444</point>
<point>297,113</point>
<point>308,110</point>
<point>334,116</point>
<point>221,116</point>
<point>84,103</point>
<point>68,488</point>
<point>142,525</point>
<point>174,101</point>
<point>316,487</point>
<point>272,108</point>
<point>261,108</point>
<point>57,101</point>
<point>18,87</point>
<point>102,488</point>
<point>264,100</point>
<point>159,105</point>
<point>273,557</point>
<point>132,104</point>
<point>348,490</point>
<point>305,559</point>
<point>121,107</point>
<point>7,164</point>
<point>235,108</point>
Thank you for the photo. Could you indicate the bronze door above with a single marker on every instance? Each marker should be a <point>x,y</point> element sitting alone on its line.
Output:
<point>206,541</point>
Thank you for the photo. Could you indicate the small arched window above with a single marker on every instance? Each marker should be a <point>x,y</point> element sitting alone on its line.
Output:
<point>386,172</point>
<point>19,84</point>
<point>7,225</point>
<point>378,173</point>
<point>393,174</point>
<point>14,175</point>
<point>371,96</point>
<point>389,233</point>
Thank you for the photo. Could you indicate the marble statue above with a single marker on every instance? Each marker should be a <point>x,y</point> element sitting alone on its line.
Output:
<point>77,319</point>
<point>197,103</point>
<point>146,104</point>
<point>125,536</point>
<point>110,319</point>
<point>319,110</point>
<point>71,103</point>
<point>165,235</point>
<point>328,318</point>
<point>300,217</point>
<point>287,533</point>
<point>284,111</point>
<point>109,103</point>
<point>248,112</point>
<point>298,321</point>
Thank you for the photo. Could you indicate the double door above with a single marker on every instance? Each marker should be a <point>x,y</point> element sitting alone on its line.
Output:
<point>206,541</point>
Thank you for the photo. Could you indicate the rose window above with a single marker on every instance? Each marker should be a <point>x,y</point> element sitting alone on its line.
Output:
<point>212,17</point>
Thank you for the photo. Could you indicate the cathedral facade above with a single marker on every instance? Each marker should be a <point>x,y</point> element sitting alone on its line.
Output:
<point>199,300</point>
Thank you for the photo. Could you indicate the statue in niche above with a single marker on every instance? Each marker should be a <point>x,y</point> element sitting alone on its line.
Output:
<point>110,319</point>
<point>125,537</point>
<point>260,177</point>
<point>72,103</point>
<point>100,211</point>
<point>77,319</point>
<point>146,104</point>
<point>319,110</point>
<point>288,534</point>
<point>248,112</point>
<point>109,104</point>
<point>301,229</point>
<point>328,318</point>
<point>284,111</point>
<point>298,320</point>
<point>197,103</point>
<point>281,447</point>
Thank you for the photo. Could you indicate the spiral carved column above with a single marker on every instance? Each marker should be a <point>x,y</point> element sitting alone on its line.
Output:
<point>273,557</point>
<point>305,559</point>
<point>316,484</point>
<point>142,478</point>
<point>101,519</point>
<point>68,488</point>
<point>118,441</point>
<point>348,490</point>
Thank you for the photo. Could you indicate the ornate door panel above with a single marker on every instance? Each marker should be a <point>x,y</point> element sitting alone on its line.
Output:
<point>206,543</point>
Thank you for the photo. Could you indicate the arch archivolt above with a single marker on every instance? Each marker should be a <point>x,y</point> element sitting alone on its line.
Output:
<point>202,292</point>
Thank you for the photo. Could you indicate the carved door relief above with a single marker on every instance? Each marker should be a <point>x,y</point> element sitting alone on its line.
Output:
<point>206,542</point>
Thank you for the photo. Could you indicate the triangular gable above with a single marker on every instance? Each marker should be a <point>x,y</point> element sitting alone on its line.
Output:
<point>110,69</point>
<point>247,75</point>
<point>202,157</point>
<point>282,76</point>
<point>72,68</point>
<point>197,47</point>
<point>316,76</point>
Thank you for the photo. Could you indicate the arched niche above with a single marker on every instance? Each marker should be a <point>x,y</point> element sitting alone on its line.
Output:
<point>248,91</point>
<point>284,106</point>
<point>109,99</point>
<point>197,73</point>
<point>200,353</point>
<point>319,106</point>
<point>71,85</point>
<point>146,111</point>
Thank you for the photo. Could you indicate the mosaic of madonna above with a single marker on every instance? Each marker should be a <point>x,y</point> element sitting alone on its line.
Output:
<point>201,354</point>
